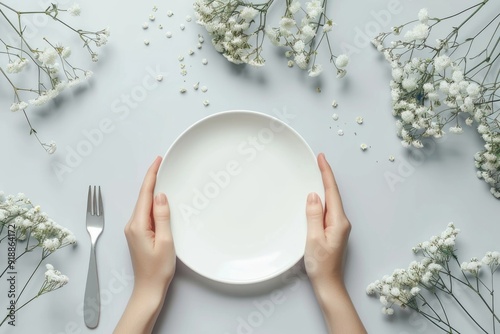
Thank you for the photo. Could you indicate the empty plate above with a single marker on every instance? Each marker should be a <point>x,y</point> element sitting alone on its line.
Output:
<point>237,184</point>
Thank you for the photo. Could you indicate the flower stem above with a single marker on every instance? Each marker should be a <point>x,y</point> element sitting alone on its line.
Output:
<point>31,276</point>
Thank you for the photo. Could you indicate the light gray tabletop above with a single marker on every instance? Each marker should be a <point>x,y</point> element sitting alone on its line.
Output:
<point>138,118</point>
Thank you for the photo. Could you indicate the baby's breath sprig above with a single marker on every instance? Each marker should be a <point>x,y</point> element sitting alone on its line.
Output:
<point>28,228</point>
<point>427,284</point>
<point>239,28</point>
<point>53,72</point>
<point>437,86</point>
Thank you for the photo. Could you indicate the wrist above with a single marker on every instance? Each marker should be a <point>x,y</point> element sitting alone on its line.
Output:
<point>328,288</point>
<point>150,297</point>
<point>142,310</point>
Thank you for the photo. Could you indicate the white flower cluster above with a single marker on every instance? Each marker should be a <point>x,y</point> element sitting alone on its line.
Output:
<point>471,267</point>
<point>53,69</point>
<point>21,221</point>
<point>431,94</point>
<point>75,10</point>
<point>418,33</point>
<point>488,160</point>
<point>31,222</point>
<point>230,22</point>
<point>440,247</point>
<point>227,25</point>
<point>413,287</point>
<point>404,285</point>
<point>48,61</point>
<point>490,259</point>
<point>17,65</point>
<point>53,280</point>
<point>422,80</point>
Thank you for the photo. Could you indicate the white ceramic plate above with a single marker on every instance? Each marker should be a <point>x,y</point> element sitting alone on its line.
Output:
<point>237,184</point>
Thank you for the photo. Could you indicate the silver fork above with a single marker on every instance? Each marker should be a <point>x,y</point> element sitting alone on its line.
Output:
<point>95,225</point>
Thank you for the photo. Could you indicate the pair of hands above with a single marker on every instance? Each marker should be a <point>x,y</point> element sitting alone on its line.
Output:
<point>149,237</point>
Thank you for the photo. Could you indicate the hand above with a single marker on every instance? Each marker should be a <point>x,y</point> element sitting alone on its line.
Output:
<point>327,231</point>
<point>153,257</point>
<point>327,234</point>
<point>149,237</point>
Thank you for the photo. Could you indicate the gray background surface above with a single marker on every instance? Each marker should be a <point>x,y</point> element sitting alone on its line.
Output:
<point>438,184</point>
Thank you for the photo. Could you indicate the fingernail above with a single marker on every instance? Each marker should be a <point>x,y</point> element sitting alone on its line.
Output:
<point>312,198</point>
<point>161,199</point>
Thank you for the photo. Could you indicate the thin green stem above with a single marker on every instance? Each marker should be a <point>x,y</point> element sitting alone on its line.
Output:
<point>492,293</point>
<point>444,310</point>
<point>29,279</point>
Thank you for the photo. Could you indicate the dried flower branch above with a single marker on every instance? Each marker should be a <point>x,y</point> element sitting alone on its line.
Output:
<point>22,222</point>
<point>423,286</point>
<point>53,72</point>
<point>235,24</point>
<point>435,85</point>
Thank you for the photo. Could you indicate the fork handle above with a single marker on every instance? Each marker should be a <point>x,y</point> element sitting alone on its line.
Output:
<point>92,301</point>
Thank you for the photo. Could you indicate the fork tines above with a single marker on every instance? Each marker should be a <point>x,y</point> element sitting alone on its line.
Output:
<point>92,207</point>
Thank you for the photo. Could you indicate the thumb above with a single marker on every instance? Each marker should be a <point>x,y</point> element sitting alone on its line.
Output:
<point>161,216</point>
<point>315,217</point>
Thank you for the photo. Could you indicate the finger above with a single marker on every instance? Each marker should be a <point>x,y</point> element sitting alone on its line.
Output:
<point>314,215</point>
<point>145,200</point>
<point>161,217</point>
<point>333,200</point>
